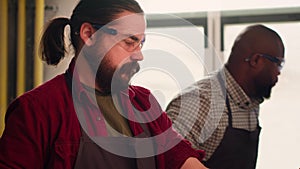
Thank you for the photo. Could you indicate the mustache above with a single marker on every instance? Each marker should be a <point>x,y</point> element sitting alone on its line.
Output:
<point>131,67</point>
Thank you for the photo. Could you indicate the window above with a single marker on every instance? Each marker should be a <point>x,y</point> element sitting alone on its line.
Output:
<point>173,59</point>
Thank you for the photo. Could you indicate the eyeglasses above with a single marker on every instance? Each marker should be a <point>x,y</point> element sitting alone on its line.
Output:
<point>279,61</point>
<point>130,43</point>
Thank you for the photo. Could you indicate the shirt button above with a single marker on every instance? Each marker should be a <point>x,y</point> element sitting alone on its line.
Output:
<point>98,118</point>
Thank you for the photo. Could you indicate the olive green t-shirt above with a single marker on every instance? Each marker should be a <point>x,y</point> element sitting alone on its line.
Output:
<point>116,123</point>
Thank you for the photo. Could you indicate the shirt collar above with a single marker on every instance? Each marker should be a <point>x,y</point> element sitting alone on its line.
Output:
<point>79,93</point>
<point>237,94</point>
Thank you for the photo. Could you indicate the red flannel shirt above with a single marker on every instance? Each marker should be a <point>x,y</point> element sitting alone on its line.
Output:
<point>42,129</point>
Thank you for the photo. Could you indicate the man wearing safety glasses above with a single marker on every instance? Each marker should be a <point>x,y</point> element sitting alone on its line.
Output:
<point>91,117</point>
<point>225,105</point>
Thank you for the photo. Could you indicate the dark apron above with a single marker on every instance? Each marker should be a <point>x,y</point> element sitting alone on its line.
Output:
<point>92,156</point>
<point>238,148</point>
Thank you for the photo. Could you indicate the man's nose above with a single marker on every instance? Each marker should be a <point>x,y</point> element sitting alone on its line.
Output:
<point>137,55</point>
<point>279,69</point>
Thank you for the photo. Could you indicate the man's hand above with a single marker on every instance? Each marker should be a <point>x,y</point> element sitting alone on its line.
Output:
<point>193,163</point>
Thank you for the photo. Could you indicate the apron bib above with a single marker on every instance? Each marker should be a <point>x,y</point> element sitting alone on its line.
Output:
<point>238,148</point>
<point>92,156</point>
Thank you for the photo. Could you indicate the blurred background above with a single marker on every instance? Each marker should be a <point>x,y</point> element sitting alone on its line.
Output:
<point>219,21</point>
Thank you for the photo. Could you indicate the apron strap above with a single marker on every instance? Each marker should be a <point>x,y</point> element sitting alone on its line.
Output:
<point>224,92</point>
<point>229,111</point>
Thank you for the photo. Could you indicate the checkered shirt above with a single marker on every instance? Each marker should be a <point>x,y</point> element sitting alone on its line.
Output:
<point>200,114</point>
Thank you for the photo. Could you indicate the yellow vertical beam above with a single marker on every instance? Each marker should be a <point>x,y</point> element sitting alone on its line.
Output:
<point>3,60</point>
<point>21,50</point>
<point>39,22</point>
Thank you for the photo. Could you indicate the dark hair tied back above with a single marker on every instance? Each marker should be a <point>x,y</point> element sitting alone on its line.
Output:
<point>95,11</point>
<point>52,42</point>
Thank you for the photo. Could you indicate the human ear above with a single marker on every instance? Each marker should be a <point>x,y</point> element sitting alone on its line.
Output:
<point>254,60</point>
<point>86,33</point>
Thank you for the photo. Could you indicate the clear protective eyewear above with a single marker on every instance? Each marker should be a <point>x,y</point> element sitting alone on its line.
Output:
<point>130,43</point>
<point>279,61</point>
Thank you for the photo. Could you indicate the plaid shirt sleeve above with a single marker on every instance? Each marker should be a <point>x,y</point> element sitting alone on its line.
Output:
<point>188,113</point>
<point>196,114</point>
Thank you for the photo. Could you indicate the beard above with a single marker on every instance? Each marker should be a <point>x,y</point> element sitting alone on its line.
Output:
<point>111,79</point>
<point>265,92</point>
<point>264,83</point>
<point>107,77</point>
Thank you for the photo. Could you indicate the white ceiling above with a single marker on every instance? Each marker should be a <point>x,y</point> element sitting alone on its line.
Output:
<point>174,6</point>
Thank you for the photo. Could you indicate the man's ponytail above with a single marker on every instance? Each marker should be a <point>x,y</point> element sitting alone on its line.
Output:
<point>52,46</point>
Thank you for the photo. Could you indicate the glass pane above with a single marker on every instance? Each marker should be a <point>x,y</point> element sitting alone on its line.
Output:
<point>279,117</point>
<point>171,61</point>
